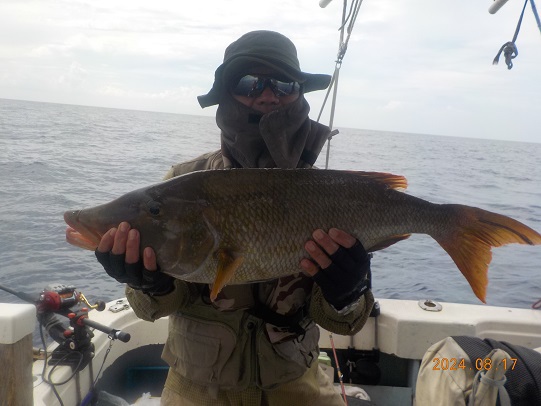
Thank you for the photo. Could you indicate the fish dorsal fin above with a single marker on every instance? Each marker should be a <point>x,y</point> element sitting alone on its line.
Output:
<point>393,181</point>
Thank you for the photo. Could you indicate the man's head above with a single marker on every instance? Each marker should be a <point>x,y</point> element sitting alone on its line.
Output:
<point>260,53</point>
<point>263,89</point>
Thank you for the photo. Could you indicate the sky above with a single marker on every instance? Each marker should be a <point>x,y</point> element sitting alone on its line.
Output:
<point>417,66</point>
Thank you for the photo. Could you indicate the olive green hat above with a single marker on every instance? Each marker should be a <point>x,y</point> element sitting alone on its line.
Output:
<point>266,48</point>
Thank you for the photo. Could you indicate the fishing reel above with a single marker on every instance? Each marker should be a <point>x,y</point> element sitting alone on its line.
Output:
<point>75,346</point>
<point>75,343</point>
<point>58,298</point>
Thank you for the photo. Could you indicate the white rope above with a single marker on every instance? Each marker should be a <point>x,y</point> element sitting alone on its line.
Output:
<point>485,380</point>
<point>350,20</point>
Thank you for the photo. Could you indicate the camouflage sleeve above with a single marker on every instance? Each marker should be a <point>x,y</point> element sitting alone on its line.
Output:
<point>211,160</point>
<point>151,308</point>
<point>344,324</point>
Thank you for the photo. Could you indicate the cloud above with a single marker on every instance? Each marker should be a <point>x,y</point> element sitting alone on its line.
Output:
<point>74,78</point>
<point>419,66</point>
<point>393,105</point>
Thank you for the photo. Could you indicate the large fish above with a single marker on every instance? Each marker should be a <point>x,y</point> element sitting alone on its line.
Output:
<point>246,225</point>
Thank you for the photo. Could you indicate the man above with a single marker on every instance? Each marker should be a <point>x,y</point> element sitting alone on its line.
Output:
<point>257,343</point>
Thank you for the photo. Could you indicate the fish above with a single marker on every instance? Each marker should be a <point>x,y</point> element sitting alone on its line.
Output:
<point>236,226</point>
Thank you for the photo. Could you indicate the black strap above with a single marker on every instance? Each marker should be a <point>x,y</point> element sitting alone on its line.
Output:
<point>291,323</point>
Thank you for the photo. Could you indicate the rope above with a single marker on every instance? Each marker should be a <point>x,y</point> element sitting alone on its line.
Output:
<point>537,305</point>
<point>509,49</point>
<point>342,48</point>
<point>534,9</point>
<point>481,377</point>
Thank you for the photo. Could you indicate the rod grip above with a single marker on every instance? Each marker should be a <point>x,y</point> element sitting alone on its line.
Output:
<point>116,334</point>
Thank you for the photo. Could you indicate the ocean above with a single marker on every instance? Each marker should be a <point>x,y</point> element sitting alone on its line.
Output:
<point>56,157</point>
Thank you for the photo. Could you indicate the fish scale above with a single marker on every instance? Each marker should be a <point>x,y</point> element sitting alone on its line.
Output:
<point>247,225</point>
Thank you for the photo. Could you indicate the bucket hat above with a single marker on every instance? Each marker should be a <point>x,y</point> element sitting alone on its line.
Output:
<point>267,48</point>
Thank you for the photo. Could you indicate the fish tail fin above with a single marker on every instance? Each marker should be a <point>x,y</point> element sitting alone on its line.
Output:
<point>469,244</point>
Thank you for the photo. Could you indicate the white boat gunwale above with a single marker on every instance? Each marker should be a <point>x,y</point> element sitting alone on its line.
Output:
<point>403,330</point>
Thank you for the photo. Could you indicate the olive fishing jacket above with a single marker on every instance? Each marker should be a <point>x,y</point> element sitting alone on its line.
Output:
<point>255,335</point>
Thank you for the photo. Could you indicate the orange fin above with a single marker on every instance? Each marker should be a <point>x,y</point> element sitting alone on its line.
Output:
<point>227,266</point>
<point>388,242</point>
<point>469,244</point>
<point>392,181</point>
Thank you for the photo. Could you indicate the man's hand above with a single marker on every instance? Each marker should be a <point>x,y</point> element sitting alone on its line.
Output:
<point>118,252</point>
<point>339,265</point>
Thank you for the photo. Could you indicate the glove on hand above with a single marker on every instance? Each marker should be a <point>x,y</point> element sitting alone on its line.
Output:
<point>345,280</point>
<point>153,283</point>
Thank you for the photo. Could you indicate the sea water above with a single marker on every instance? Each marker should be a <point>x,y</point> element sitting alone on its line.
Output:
<point>56,157</point>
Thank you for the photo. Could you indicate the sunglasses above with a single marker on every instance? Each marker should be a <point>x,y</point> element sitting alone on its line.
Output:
<point>254,85</point>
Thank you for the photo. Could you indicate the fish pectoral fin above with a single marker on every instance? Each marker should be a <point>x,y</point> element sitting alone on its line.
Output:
<point>227,266</point>
<point>388,242</point>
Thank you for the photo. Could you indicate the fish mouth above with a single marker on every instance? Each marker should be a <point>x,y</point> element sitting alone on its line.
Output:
<point>79,234</point>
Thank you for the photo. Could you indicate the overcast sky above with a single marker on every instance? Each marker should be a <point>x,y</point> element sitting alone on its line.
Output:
<point>420,66</point>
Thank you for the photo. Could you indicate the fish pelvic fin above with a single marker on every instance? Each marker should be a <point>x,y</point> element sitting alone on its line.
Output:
<point>398,182</point>
<point>227,266</point>
<point>388,242</point>
<point>470,243</point>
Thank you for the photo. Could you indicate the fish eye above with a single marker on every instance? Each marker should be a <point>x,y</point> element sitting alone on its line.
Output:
<point>154,208</point>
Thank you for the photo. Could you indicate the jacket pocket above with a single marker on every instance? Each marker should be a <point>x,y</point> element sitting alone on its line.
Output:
<point>284,362</point>
<point>201,350</point>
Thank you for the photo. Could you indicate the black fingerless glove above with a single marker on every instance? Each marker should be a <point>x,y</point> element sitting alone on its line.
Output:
<point>153,283</point>
<point>347,278</point>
